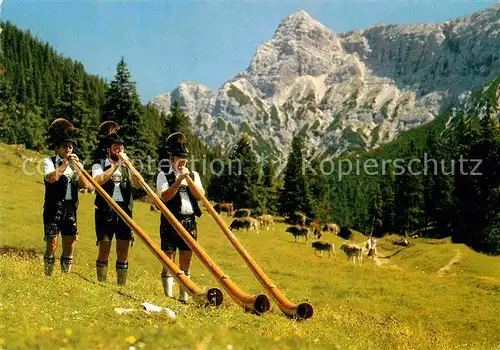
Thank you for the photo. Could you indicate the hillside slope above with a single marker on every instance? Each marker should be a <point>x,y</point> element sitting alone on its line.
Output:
<point>403,304</point>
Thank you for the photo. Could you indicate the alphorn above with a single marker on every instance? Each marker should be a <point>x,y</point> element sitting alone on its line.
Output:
<point>213,296</point>
<point>296,311</point>
<point>254,303</point>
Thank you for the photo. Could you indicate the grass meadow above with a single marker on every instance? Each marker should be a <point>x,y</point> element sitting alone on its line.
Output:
<point>430,295</point>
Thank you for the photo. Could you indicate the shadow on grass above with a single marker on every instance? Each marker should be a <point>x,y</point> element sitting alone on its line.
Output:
<point>104,285</point>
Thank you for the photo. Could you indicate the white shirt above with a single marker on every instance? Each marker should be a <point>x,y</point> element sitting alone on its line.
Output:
<point>162,185</point>
<point>116,178</point>
<point>49,167</point>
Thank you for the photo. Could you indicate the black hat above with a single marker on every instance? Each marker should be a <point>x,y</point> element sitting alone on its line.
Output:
<point>176,146</point>
<point>60,131</point>
<point>110,136</point>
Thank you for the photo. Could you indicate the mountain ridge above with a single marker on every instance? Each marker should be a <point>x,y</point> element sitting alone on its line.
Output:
<point>357,89</point>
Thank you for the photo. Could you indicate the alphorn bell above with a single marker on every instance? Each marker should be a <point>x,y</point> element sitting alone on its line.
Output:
<point>255,303</point>
<point>296,311</point>
<point>213,296</point>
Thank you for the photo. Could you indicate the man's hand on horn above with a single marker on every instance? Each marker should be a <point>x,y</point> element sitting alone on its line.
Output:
<point>72,158</point>
<point>183,172</point>
<point>121,155</point>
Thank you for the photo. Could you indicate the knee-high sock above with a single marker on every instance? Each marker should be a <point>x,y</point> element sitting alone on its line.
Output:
<point>66,263</point>
<point>168,284</point>
<point>121,272</point>
<point>102,270</point>
<point>49,262</point>
<point>184,296</point>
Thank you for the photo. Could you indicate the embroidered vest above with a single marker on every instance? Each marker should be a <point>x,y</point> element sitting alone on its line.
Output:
<point>174,205</point>
<point>56,192</point>
<point>109,186</point>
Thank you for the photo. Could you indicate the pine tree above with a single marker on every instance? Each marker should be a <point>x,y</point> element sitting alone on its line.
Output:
<point>219,188</point>
<point>317,184</point>
<point>387,184</point>
<point>124,106</point>
<point>409,195</point>
<point>176,121</point>
<point>72,107</point>
<point>6,109</point>
<point>269,186</point>
<point>245,175</point>
<point>429,179</point>
<point>295,195</point>
<point>465,222</point>
<point>30,127</point>
<point>375,212</point>
<point>442,191</point>
<point>488,183</point>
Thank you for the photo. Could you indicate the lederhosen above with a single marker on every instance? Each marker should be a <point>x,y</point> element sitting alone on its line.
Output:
<point>107,221</point>
<point>170,239</point>
<point>59,214</point>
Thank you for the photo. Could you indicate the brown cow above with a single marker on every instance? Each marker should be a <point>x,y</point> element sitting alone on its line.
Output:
<point>226,207</point>
<point>298,231</point>
<point>320,246</point>
<point>296,219</point>
<point>266,221</point>
<point>331,227</point>
<point>315,227</point>
<point>353,252</point>
<point>245,223</point>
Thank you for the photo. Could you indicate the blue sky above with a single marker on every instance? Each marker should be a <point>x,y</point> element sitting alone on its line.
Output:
<point>168,42</point>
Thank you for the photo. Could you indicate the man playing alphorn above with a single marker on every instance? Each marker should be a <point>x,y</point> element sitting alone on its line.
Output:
<point>61,195</point>
<point>179,198</point>
<point>116,180</point>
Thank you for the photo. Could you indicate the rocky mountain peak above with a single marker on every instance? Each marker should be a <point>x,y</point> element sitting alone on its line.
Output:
<point>349,90</point>
<point>301,46</point>
<point>298,26</point>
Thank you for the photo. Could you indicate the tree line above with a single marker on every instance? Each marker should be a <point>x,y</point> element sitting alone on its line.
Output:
<point>446,183</point>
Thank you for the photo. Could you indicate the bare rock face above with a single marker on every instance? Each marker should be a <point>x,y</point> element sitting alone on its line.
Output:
<point>349,90</point>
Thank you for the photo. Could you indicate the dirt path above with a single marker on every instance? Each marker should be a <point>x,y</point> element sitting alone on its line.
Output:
<point>384,262</point>
<point>446,268</point>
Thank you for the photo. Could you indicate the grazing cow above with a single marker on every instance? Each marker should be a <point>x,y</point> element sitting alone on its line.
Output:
<point>242,213</point>
<point>226,207</point>
<point>296,219</point>
<point>266,221</point>
<point>298,231</point>
<point>236,225</point>
<point>352,251</point>
<point>245,223</point>
<point>331,227</point>
<point>315,227</point>
<point>322,246</point>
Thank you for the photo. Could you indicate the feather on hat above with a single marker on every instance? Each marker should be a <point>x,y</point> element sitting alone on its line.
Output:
<point>60,130</point>
<point>109,130</point>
